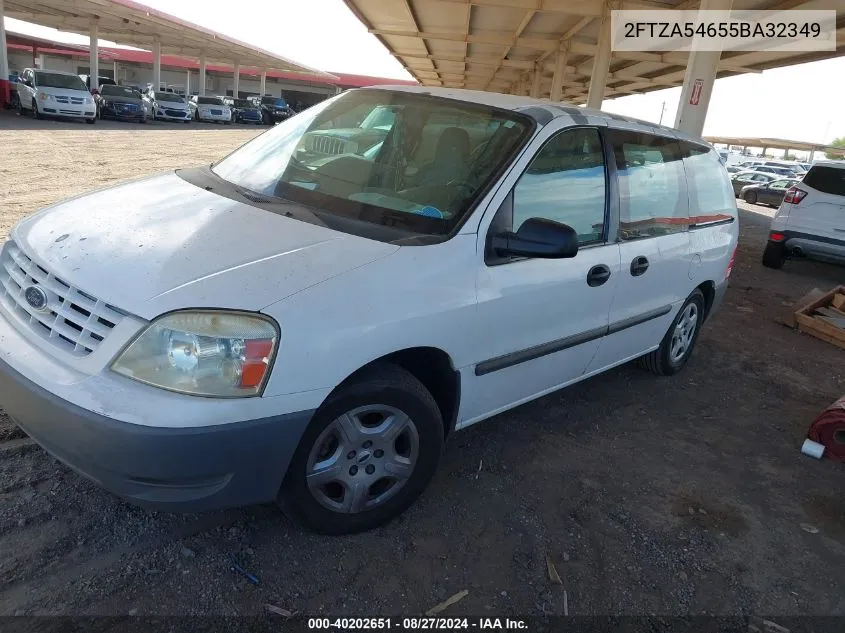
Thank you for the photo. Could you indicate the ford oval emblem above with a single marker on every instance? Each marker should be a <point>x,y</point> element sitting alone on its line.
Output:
<point>36,298</point>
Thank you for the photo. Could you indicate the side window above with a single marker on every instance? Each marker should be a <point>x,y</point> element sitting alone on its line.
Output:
<point>652,191</point>
<point>780,185</point>
<point>566,183</point>
<point>711,197</point>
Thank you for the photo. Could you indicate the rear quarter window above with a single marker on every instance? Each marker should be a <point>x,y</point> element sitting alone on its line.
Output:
<point>711,197</point>
<point>652,187</point>
<point>826,179</point>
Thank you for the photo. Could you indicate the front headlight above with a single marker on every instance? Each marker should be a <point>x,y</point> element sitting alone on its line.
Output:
<point>203,353</point>
<point>89,100</point>
<point>46,97</point>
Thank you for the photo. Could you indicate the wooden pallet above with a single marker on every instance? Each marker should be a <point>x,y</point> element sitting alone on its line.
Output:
<point>822,317</point>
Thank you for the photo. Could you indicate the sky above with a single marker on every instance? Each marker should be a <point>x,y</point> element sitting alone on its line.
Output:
<point>803,102</point>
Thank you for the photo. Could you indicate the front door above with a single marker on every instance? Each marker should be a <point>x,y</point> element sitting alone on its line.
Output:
<point>541,319</point>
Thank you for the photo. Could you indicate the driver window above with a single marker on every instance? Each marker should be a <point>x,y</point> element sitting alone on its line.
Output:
<point>566,183</point>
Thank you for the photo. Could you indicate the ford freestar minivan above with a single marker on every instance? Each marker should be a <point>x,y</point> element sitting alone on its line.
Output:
<point>310,318</point>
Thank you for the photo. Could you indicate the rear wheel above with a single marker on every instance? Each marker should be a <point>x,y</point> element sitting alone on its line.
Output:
<point>679,341</point>
<point>750,197</point>
<point>774,255</point>
<point>367,455</point>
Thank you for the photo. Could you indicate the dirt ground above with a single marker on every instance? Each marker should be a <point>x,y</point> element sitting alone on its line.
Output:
<point>649,496</point>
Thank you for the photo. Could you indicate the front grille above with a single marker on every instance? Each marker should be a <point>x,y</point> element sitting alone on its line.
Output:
<point>72,100</point>
<point>70,112</point>
<point>175,113</point>
<point>327,144</point>
<point>72,320</point>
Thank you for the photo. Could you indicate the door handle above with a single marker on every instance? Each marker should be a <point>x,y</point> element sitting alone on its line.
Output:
<point>639,266</point>
<point>598,275</point>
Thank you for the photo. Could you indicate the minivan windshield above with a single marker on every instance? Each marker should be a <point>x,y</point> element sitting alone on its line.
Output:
<point>58,80</point>
<point>210,101</point>
<point>423,171</point>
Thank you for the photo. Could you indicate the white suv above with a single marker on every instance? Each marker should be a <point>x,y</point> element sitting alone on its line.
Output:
<point>811,219</point>
<point>313,329</point>
<point>55,93</point>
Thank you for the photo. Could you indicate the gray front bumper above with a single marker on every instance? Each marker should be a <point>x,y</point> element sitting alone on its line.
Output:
<point>175,469</point>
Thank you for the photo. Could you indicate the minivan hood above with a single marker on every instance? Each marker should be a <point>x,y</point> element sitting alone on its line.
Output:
<point>162,244</point>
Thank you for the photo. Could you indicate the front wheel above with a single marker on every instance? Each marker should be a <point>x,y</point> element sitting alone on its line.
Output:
<point>750,197</point>
<point>91,121</point>
<point>367,455</point>
<point>679,341</point>
<point>35,113</point>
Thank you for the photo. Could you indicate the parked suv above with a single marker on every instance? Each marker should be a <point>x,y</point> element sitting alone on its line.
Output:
<point>55,93</point>
<point>314,330</point>
<point>273,109</point>
<point>811,219</point>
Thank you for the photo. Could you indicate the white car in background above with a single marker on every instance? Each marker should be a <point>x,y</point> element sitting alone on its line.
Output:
<point>54,93</point>
<point>810,221</point>
<point>167,106</point>
<point>210,109</point>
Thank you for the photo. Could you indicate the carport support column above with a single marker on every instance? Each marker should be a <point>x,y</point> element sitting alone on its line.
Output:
<point>698,79</point>
<point>601,62</point>
<point>116,72</point>
<point>236,84</point>
<point>556,93</point>
<point>94,53</point>
<point>201,87</point>
<point>188,83</point>
<point>812,154</point>
<point>156,64</point>
<point>535,81</point>
<point>263,89</point>
<point>4,62</point>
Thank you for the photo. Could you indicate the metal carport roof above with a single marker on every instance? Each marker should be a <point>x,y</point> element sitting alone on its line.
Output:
<point>132,24</point>
<point>493,44</point>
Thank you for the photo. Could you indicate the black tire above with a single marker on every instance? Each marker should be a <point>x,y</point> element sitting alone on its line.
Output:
<point>384,384</point>
<point>660,361</point>
<point>35,113</point>
<point>20,107</point>
<point>91,121</point>
<point>142,120</point>
<point>774,255</point>
<point>750,197</point>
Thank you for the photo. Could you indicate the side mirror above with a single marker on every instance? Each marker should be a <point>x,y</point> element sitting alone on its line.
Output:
<point>538,237</point>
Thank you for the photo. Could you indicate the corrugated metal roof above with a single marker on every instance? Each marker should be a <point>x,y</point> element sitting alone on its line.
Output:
<point>494,45</point>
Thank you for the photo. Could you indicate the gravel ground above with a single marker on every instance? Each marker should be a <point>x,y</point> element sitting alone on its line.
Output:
<point>648,495</point>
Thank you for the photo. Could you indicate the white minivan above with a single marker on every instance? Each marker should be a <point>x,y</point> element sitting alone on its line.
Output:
<point>311,328</point>
<point>54,93</point>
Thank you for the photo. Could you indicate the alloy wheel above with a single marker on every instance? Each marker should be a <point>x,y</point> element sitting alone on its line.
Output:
<point>684,333</point>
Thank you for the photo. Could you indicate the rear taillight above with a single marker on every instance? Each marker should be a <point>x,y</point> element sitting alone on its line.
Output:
<point>794,195</point>
<point>774,236</point>
<point>731,263</point>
